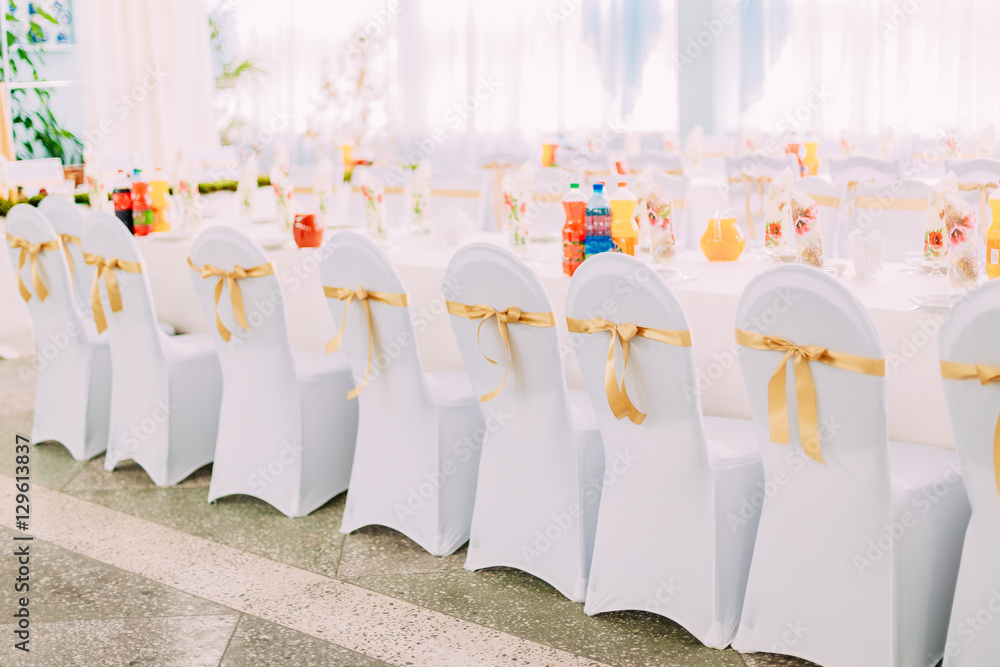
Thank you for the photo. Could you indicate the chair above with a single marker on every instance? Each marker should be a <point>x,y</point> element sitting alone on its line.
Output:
<point>72,398</point>
<point>674,484</point>
<point>863,169</point>
<point>859,538</point>
<point>549,186</point>
<point>419,433</point>
<point>748,175</point>
<point>658,162</point>
<point>165,390</point>
<point>977,179</point>
<point>831,199</point>
<point>461,189</point>
<point>540,469</point>
<point>33,175</point>
<point>68,221</point>
<point>896,210</point>
<point>968,339</point>
<point>928,157</point>
<point>286,429</point>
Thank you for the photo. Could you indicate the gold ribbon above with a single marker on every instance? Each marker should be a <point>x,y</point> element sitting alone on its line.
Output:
<point>953,370</point>
<point>385,191</point>
<point>456,194</point>
<point>805,389</point>
<point>752,184</point>
<point>618,398</point>
<point>29,251</point>
<point>896,203</point>
<point>231,280</point>
<point>504,317</point>
<point>547,197</point>
<point>827,201</point>
<point>107,267</point>
<point>75,240</point>
<point>984,195</point>
<point>364,296</point>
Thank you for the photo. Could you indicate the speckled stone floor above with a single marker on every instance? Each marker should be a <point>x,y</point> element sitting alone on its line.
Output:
<point>124,573</point>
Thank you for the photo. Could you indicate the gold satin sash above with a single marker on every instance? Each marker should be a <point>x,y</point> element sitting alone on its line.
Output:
<point>364,296</point>
<point>66,240</point>
<point>385,191</point>
<point>827,201</point>
<point>752,184</point>
<point>805,389</point>
<point>29,251</point>
<point>504,317</point>
<point>896,204</point>
<point>618,398</point>
<point>953,370</point>
<point>546,197</point>
<point>231,279</point>
<point>984,195</point>
<point>456,194</point>
<point>107,266</point>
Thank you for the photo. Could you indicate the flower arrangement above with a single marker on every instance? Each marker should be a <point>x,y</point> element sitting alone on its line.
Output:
<point>373,194</point>
<point>660,212</point>
<point>805,213</point>
<point>516,211</point>
<point>963,245</point>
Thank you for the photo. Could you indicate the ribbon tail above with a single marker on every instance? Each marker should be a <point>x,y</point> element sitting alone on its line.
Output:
<point>485,398</point>
<point>805,391</point>
<point>25,294</point>
<point>618,407</point>
<point>114,295</point>
<point>634,415</point>
<point>223,331</point>
<point>69,261</point>
<point>996,454</point>
<point>236,298</point>
<point>777,403</point>
<point>368,369</point>
<point>334,342</point>
<point>95,302</point>
<point>36,280</point>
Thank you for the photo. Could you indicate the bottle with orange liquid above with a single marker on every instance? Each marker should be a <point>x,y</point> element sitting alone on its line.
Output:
<point>574,232</point>
<point>624,232</point>
<point>993,240</point>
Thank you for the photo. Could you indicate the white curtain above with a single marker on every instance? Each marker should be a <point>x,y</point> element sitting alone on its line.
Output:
<point>148,82</point>
<point>918,66</point>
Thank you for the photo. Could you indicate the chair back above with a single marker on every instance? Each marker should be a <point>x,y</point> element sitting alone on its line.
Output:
<point>659,162</point>
<point>68,221</point>
<point>747,177</point>
<point>462,189</point>
<point>862,169</point>
<point>897,211</point>
<point>832,201</point>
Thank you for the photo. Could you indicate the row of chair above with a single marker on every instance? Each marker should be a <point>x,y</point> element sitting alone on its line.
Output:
<point>625,496</point>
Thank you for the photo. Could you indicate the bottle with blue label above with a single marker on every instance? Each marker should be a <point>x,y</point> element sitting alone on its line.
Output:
<point>597,222</point>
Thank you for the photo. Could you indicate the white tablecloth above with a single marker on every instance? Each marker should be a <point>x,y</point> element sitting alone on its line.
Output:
<point>917,411</point>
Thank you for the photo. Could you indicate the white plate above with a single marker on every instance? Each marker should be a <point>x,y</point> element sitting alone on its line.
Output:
<point>937,303</point>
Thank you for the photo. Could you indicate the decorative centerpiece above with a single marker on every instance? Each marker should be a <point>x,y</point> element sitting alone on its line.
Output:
<point>804,213</point>
<point>515,215</point>
<point>420,197</point>
<point>936,227</point>
<point>963,242</point>
<point>374,195</point>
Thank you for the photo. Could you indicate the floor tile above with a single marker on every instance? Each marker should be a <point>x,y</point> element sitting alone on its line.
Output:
<point>50,463</point>
<point>69,587</point>
<point>774,660</point>
<point>311,542</point>
<point>127,475</point>
<point>258,643</point>
<point>191,641</point>
<point>376,550</point>
<point>519,604</point>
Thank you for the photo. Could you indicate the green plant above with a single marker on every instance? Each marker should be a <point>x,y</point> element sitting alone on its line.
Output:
<point>37,132</point>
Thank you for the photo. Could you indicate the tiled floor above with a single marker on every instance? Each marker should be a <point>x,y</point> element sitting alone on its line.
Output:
<point>125,573</point>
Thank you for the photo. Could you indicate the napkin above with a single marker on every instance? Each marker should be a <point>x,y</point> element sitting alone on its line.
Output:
<point>953,144</point>
<point>660,213</point>
<point>373,193</point>
<point>886,143</point>
<point>847,144</point>
<point>867,252</point>
<point>777,212</point>
<point>751,141</point>
<point>515,208</point>
<point>186,194</point>
<point>324,186</point>
<point>453,226</point>
<point>247,184</point>
<point>984,145</point>
<point>935,232</point>
<point>283,191</point>
<point>420,196</point>
<point>671,143</point>
<point>805,217</point>
<point>694,144</point>
<point>963,241</point>
<point>641,187</point>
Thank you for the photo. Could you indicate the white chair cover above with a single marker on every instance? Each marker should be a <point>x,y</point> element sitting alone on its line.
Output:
<point>864,169</point>
<point>419,434</point>
<point>928,157</point>
<point>754,166</point>
<point>165,390</point>
<point>73,393</point>
<point>658,162</point>
<point>67,218</point>
<point>897,211</point>
<point>856,558</point>
<point>832,201</point>
<point>548,187</point>
<point>33,175</point>
<point>669,536</point>
<point>462,189</point>
<point>540,472</point>
<point>969,336</point>
<point>980,171</point>
<point>286,428</point>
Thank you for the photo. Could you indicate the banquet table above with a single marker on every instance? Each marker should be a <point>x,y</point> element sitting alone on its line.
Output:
<point>709,294</point>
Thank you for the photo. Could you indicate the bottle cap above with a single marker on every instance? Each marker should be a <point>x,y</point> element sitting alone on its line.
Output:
<point>598,187</point>
<point>574,186</point>
<point>622,184</point>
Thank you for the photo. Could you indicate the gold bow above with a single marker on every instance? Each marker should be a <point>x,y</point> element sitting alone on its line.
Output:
<point>504,317</point>
<point>107,267</point>
<point>231,279</point>
<point>75,240</point>
<point>984,195</point>
<point>30,251</point>
<point>618,398</point>
<point>364,296</point>
<point>890,203</point>
<point>752,184</point>
<point>952,370</point>
<point>805,389</point>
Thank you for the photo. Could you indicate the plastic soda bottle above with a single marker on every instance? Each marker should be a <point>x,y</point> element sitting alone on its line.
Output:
<point>597,223</point>
<point>574,231</point>
<point>142,205</point>
<point>159,189</point>
<point>624,232</point>
<point>121,197</point>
